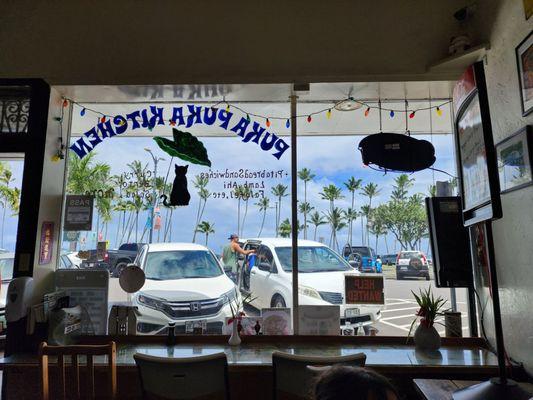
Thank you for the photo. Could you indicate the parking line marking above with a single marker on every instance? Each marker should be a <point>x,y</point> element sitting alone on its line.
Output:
<point>400,309</point>
<point>393,325</point>
<point>398,317</point>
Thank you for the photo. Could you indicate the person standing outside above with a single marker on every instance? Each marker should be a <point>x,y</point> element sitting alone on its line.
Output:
<point>229,257</point>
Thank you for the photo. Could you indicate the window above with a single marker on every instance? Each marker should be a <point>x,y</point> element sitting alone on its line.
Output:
<point>174,265</point>
<point>312,260</point>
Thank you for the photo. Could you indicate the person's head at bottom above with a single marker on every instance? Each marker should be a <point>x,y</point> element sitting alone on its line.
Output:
<point>352,383</point>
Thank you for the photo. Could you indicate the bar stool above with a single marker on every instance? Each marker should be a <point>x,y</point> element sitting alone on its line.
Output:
<point>294,374</point>
<point>202,377</point>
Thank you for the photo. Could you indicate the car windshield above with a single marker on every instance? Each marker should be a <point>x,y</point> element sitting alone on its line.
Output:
<point>312,259</point>
<point>364,251</point>
<point>405,254</point>
<point>181,264</point>
<point>6,268</point>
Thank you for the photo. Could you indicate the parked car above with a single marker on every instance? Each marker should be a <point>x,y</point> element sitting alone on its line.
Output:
<point>184,282</point>
<point>363,258</point>
<point>321,278</point>
<point>389,259</point>
<point>7,261</point>
<point>120,258</point>
<point>69,260</point>
<point>412,263</point>
<point>114,260</point>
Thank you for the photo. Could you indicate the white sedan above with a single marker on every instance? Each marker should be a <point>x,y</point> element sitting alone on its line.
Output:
<point>185,283</point>
<point>321,278</point>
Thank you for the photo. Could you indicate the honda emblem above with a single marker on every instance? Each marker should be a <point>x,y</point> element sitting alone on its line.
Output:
<point>195,306</point>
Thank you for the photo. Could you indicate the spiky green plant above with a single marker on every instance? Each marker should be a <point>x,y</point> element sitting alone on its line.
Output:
<point>430,308</point>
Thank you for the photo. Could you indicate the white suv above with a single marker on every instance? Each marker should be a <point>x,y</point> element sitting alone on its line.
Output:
<point>184,282</point>
<point>320,279</point>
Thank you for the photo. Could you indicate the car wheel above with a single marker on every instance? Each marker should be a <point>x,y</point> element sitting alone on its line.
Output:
<point>399,277</point>
<point>278,302</point>
<point>118,269</point>
<point>427,277</point>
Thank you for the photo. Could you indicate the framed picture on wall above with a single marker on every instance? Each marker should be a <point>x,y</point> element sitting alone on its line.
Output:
<point>514,160</point>
<point>524,60</point>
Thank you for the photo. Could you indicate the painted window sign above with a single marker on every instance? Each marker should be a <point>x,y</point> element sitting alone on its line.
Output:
<point>47,238</point>
<point>249,131</point>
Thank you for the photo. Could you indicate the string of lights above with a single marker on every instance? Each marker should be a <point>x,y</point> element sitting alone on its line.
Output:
<point>308,116</point>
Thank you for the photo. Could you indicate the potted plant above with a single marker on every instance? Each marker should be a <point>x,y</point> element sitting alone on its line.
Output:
<point>426,336</point>
<point>236,305</point>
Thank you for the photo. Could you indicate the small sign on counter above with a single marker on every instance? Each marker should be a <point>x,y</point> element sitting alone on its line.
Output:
<point>78,213</point>
<point>364,289</point>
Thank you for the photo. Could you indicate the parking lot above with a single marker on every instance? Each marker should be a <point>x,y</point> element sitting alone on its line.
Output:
<point>400,305</point>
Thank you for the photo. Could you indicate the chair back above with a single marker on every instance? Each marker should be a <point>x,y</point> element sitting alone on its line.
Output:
<point>75,352</point>
<point>202,377</point>
<point>294,375</point>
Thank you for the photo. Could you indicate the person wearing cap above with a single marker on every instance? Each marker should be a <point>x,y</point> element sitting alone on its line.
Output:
<point>229,256</point>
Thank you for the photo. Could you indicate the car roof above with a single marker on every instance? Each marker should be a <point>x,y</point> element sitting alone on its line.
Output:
<point>285,242</point>
<point>175,246</point>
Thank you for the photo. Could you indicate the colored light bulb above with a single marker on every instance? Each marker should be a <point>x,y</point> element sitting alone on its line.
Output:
<point>328,114</point>
<point>391,113</point>
<point>102,119</point>
<point>287,124</point>
<point>58,119</point>
<point>227,107</point>
<point>65,103</point>
<point>268,123</point>
<point>122,122</point>
<point>439,112</point>
<point>248,117</point>
<point>367,111</point>
<point>309,119</point>
<point>82,112</point>
<point>412,115</point>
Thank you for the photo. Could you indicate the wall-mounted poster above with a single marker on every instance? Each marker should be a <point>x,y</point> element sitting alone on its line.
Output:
<point>514,160</point>
<point>47,239</point>
<point>524,60</point>
<point>473,157</point>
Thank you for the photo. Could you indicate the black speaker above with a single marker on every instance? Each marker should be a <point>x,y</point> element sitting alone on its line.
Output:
<point>450,244</point>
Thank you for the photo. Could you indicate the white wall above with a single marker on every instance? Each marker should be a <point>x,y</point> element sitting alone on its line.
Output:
<point>51,196</point>
<point>513,234</point>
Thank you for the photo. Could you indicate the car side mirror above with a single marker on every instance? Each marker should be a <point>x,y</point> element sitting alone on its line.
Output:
<point>264,266</point>
<point>227,268</point>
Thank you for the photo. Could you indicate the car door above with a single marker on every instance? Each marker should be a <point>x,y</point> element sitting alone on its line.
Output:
<point>259,279</point>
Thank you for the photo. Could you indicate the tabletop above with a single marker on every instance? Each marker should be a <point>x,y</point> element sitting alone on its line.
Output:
<point>442,389</point>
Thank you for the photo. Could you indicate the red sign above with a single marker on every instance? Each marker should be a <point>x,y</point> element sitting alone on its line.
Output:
<point>463,87</point>
<point>47,240</point>
<point>364,289</point>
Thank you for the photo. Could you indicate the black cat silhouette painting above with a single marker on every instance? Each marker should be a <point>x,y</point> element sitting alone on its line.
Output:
<point>179,196</point>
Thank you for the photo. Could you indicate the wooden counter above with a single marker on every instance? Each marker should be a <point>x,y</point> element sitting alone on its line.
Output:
<point>251,362</point>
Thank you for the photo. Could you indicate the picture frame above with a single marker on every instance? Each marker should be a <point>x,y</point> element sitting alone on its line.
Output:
<point>524,63</point>
<point>515,155</point>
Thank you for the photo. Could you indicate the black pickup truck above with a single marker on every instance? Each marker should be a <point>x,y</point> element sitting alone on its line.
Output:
<point>114,260</point>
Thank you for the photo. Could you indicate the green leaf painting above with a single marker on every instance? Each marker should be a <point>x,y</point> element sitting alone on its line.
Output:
<point>184,146</point>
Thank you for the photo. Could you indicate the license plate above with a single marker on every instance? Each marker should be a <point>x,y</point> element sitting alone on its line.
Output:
<point>403,268</point>
<point>352,312</point>
<point>405,261</point>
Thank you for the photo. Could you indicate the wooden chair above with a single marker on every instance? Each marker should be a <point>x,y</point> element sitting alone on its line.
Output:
<point>89,351</point>
<point>294,375</point>
<point>201,377</point>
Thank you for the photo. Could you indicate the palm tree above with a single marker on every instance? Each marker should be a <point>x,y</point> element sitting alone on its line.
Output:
<point>317,220</point>
<point>285,228</point>
<point>305,175</point>
<point>351,215</point>
<point>370,190</point>
<point>206,228</point>
<point>336,221</point>
<point>9,196</point>
<point>246,193</point>
<point>352,185</point>
<point>305,208</point>
<point>279,191</point>
<point>200,182</point>
<point>331,193</point>
<point>432,190</point>
<point>263,204</point>
<point>400,188</point>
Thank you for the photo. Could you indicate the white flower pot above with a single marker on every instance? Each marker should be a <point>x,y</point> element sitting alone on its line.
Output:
<point>426,339</point>
<point>234,339</point>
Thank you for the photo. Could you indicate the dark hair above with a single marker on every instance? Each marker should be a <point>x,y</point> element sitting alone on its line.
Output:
<point>352,383</point>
